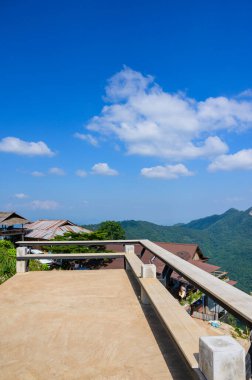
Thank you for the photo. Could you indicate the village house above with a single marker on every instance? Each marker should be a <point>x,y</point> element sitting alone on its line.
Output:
<point>203,306</point>
<point>48,229</point>
<point>15,227</point>
<point>12,226</point>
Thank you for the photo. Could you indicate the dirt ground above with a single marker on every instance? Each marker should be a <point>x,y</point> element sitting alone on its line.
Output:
<point>224,329</point>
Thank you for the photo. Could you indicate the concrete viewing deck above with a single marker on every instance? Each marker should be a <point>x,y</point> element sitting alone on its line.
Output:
<point>82,325</point>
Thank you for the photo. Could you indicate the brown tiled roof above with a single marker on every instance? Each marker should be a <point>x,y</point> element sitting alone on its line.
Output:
<point>115,264</point>
<point>209,268</point>
<point>180,250</point>
<point>184,251</point>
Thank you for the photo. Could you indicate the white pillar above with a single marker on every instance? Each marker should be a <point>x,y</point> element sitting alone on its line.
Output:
<point>21,265</point>
<point>129,248</point>
<point>147,271</point>
<point>221,358</point>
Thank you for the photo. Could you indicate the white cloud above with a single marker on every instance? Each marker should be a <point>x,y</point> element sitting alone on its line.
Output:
<point>81,173</point>
<point>57,171</point>
<point>234,199</point>
<point>18,146</point>
<point>102,168</point>
<point>87,137</point>
<point>241,160</point>
<point>166,172</point>
<point>21,196</point>
<point>152,122</point>
<point>44,205</point>
<point>126,83</point>
<point>245,94</point>
<point>37,174</point>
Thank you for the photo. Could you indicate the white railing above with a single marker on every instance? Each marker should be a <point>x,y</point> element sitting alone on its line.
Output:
<point>211,357</point>
<point>230,298</point>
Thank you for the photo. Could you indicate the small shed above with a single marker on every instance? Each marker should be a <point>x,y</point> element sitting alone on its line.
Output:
<point>12,226</point>
<point>10,219</point>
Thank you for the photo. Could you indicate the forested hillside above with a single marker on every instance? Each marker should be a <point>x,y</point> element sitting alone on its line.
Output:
<point>226,239</point>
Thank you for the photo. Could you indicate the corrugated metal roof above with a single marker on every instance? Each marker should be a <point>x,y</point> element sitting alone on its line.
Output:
<point>44,224</point>
<point>47,229</point>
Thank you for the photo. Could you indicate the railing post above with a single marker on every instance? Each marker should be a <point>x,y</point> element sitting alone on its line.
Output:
<point>21,265</point>
<point>128,249</point>
<point>147,271</point>
<point>221,358</point>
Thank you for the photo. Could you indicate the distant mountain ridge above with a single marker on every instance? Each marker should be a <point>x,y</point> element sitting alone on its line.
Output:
<point>225,238</point>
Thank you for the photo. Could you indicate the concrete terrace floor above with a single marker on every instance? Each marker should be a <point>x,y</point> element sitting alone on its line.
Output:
<point>82,325</point>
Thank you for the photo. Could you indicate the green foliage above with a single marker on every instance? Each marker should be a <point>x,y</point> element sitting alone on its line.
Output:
<point>7,260</point>
<point>97,235</point>
<point>232,321</point>
<point>37,265</point>
<point>225,238</point>
<point>6,244</point>
<point>239,329</point>
<point>193,297</point>
<point>112,230</point>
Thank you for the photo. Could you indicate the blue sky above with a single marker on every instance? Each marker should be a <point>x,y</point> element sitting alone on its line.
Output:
<point>135,110</point>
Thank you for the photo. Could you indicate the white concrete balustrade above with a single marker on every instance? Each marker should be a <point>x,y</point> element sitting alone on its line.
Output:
<point>210,357</point>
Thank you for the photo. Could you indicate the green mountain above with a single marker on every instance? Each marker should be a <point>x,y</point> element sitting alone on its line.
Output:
<point>226,239</point>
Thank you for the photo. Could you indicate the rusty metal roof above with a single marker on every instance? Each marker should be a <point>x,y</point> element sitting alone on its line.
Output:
<point>47,229</point>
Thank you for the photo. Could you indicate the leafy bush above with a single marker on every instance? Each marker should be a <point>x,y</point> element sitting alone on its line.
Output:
<point>37,265</point>
<point>113,230</point>
<point>7,260</point>
<point>72,236</point>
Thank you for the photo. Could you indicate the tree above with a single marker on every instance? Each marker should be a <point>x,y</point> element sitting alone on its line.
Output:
<point>7,260</point>
<point>112,230</point>
<point>74,236</point>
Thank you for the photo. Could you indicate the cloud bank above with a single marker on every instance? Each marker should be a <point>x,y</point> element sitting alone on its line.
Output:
<point>81,173</point>
<point>241,160</point>
<point>172,126</point>
<point>37,173</point>
<point>21,196</point>
<point>44,205</point>
<point>57,171</point>
<point>86,137</point>
<point>18,146</point>
<point>166,172</point>
<point>103,168</point>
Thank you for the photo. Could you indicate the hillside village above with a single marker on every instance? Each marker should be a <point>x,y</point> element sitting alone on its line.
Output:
<point>37,239</point>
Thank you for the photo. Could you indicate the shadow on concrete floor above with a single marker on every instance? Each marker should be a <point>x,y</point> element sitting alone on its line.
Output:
<point>171,354</point>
